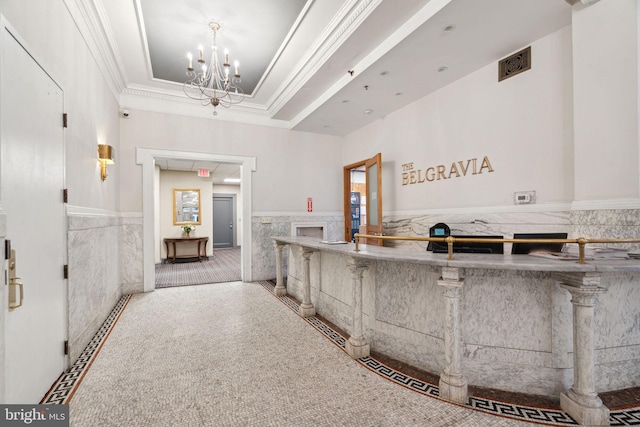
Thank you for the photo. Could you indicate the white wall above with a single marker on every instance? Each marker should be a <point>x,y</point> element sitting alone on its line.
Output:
<point>523,125</point>
<point>54,40</point>
<point>605,56</point>
<point>291,166</point>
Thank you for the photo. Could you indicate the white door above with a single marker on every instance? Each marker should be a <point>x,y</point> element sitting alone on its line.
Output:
<point>31,184</point>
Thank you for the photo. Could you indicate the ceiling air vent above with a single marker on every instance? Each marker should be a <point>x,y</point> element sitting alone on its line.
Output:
<point>514,64</point>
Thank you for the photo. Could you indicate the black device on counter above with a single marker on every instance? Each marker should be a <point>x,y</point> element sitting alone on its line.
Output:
<point>472,247</point>
<point>439,230</point>
<point>442,230</point>
<point>525,248</point>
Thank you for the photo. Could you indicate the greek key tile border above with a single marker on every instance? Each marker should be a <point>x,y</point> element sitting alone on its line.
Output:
<point>62,390</point>
<point>544,416</point>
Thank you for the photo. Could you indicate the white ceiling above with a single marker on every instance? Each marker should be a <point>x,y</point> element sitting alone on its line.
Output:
<point>296,55</point>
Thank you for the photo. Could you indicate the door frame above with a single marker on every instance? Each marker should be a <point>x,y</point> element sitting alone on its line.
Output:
<point>147,158</point>
<point>377,159</point>
<point>234,217</point>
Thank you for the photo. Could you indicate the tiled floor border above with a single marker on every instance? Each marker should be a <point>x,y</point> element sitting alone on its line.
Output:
<point>545,416</point>
<point>64,388</point>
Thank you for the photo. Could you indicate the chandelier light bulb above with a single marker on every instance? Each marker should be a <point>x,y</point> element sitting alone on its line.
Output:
<point>201,53</point>
<point>190,58</point>
<point>237,64</point>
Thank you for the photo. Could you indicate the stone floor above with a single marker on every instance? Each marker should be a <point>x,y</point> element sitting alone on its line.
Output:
<point>233,354</point>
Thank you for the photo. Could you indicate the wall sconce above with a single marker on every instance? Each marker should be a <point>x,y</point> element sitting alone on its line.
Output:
<point>105,156</point>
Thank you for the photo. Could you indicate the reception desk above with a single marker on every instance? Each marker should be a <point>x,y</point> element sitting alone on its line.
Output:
<point>512,322</point>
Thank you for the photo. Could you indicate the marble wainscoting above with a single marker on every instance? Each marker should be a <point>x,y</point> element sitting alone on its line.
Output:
<point>131,254</point>
<point>589,223</point>
<point>94,245</point>
<point>265,226</point>
<point>505,224</point>
<point>606,223</point>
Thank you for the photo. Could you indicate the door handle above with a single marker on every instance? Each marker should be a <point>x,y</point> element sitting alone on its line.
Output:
<point>14,282</point>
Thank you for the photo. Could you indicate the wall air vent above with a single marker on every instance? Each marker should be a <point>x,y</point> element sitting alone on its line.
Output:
<point>514,64</point>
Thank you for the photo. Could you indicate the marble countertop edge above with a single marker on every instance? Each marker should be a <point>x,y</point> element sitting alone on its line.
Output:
<point>464,260</point>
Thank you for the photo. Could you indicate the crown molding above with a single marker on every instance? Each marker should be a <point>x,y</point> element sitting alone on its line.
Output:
<point>178,97</point>
<point>93,24</point>
<point>160,101</point>
<point>344,23</point>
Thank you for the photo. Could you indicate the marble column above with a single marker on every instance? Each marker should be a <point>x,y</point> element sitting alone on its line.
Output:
<point>453,385</point>
<point>280,289</point>
<point>306,308</point>
<point>357,345</point>
<point>581,401</point>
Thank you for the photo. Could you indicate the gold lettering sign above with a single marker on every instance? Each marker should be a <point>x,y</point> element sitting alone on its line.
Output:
<point>441,172</point>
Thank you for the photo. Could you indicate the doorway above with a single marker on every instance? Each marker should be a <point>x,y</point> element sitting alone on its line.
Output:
<point>147,158</point>
<point>224,221</point>
<point>363,200</point>
<point>35,329</point>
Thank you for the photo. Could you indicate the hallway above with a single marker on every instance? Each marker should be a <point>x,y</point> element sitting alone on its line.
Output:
<point>223,265</point>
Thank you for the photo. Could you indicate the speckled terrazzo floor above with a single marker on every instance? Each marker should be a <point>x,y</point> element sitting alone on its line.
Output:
<point>233,354</point>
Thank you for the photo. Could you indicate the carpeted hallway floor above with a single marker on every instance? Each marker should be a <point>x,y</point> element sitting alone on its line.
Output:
<point>223,265</point>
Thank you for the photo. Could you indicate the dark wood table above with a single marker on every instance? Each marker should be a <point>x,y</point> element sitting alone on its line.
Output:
<point>202,247</point>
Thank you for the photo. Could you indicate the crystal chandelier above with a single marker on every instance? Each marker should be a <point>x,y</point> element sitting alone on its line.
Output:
<point>213,84</point>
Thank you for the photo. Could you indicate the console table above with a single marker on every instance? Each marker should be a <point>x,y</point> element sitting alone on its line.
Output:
<point>201,242</point>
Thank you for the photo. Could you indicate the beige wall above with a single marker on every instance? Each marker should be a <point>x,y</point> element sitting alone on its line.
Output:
<point>170,180</point>
<point>167,181</point>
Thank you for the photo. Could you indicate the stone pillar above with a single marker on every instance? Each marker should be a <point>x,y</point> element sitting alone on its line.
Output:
<point>280,289</point>
<point>306,308</point>
<point>357,345</point>
<point>453,385</point>
<point>581,401</point>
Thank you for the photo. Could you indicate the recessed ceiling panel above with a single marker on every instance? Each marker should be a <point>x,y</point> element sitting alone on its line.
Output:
<point>252,30</point>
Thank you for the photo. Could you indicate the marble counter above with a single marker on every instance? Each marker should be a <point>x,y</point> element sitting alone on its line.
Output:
<point>509,322</point>
<point>464,260</point>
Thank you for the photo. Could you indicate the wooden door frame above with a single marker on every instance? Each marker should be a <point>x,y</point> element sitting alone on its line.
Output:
<point>347,195</point>
<point>377,159</point>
